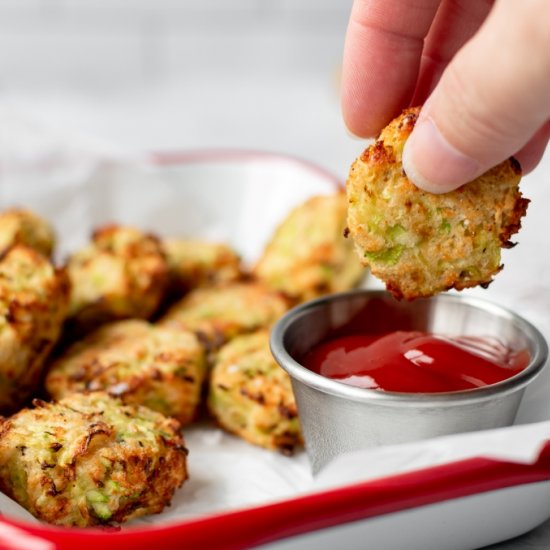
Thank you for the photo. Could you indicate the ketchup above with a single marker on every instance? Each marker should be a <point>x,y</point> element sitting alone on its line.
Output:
<point>415,362</point>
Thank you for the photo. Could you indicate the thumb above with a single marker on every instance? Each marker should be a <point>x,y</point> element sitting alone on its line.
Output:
<point>491,100</point>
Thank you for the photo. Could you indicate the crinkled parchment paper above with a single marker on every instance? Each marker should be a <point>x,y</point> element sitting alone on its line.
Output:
<point>78,184</point>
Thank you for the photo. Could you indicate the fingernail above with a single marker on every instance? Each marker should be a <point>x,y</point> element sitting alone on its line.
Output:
<point>352,135</point>
<point>432,163</point>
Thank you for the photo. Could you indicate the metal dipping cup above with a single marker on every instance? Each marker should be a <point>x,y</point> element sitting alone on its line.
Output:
<point>337,418</point>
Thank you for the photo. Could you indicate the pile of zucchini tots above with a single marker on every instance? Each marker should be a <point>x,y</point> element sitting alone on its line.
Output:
<point>104,359</point>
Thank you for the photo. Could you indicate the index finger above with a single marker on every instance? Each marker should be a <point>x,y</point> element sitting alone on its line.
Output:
<point>382,55</point>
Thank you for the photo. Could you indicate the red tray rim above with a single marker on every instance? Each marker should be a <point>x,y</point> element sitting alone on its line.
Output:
<point>297,515</point>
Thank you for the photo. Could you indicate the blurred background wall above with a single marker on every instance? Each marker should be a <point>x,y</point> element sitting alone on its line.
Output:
<point>154,75</point>
<point>173,74</point>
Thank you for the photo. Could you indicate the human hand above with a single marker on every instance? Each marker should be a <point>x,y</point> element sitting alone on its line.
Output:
<point>481,68</point>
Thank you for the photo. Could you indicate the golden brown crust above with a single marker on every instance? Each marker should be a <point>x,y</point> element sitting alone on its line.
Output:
<point>21,226</point>
<point>88,460</point>
<point>419,243</point>
<point>34,300</point>
<point>142,364</point>
<point>217,314</point>
<point>308,255</point>
<point>195,263</point>
<point>251,396</point>
<point>121,274</point>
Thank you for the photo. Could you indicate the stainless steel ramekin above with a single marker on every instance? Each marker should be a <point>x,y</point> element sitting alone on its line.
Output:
<point>337,418</point>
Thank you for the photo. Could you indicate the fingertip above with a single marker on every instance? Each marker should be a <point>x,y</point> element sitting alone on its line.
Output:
<point>381,60</point>
<point>531,154</point>
<point>353,135</point>
<point>416,177</point>
<point>432,163</point>
<point>361,117</point>
<point>354,122</point>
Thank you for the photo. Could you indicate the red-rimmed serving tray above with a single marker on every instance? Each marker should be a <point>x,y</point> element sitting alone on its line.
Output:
<point>446,505</point>
<point>263,524</point>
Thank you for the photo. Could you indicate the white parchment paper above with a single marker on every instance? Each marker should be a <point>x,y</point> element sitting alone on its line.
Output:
<point>78,184</point>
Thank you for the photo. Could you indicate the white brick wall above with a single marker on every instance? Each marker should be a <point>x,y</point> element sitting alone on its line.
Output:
<point>171,74</point>
<point>106,44</point>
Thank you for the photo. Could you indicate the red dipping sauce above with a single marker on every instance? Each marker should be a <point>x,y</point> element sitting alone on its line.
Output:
<point>415,362</point>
